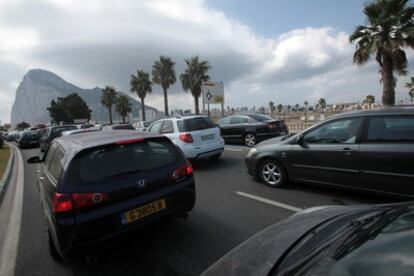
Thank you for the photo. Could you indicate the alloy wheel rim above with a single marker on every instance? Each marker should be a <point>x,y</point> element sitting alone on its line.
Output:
<point>250,140</point>
<point>271,174</point>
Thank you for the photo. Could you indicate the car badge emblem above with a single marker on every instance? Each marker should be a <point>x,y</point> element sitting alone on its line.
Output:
<point>141,184</point>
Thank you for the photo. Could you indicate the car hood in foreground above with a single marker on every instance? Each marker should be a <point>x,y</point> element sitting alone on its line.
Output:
<point>258,255</point>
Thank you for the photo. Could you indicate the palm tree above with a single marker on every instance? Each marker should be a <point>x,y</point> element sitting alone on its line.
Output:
<point>123,106</point>
<point>280,108</point>
<point>389,29</point>
<point>108,99</point>
<point>193,76</point>
<point>410,85</point>
<point>289,107</point>
<point>163,73</point>
<point>370,99</point>
<point>141,84</point>
<point>322,104</point>
<point>271,107</point>
<point>296,107</point>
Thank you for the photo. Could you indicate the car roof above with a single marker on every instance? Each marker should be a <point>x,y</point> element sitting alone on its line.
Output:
<point>72,144</point>
<point>391,110</point>
<point>181,118</point>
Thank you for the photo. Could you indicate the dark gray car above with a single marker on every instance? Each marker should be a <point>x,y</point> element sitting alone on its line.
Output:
<point>369,150</point>
<point>342,240</point>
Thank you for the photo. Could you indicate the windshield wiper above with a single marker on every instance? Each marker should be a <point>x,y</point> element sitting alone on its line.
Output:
<point>356,233</point>
<point>122,173</point>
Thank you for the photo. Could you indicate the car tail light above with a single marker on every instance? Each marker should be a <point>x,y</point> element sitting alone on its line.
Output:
<point>88,199</point>
<point>67,202</point>
<point>61,203</point>
<point>183,171</point>
<point>186,137</point>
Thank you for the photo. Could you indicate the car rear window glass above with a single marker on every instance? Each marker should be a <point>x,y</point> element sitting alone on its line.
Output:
<point>123,127</point>
<point>56,165</point>
<point>112,161</point>
<point>57,131</point>
<point>391,129</point>
<point>30,135</point>
<point>260,118</point>
<point>194,124</point>
<point>167,127</point>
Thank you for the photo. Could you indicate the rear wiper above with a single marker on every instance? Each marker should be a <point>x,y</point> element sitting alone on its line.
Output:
<point>122,173</point>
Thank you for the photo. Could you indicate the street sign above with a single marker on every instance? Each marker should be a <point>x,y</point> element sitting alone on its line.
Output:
<point>213,92</point>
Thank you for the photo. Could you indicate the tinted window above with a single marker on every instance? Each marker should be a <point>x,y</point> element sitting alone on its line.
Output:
<point>260,118</point>
<point>123,127</point>
<point>57,131</point>
<point>56,165</point>
<point>167,127</point>
<point>156,127</point>
<point>239,120</point>
<point>194,124</point>
<point>225,121</point>
<point>113,161</point>
<point>340,131</point>
<point>391,129</point>
<point>30,135</point>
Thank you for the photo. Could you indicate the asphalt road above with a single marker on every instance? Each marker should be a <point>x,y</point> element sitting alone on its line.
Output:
<point>230,208</point>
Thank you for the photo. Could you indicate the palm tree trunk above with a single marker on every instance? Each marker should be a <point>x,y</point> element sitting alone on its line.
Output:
<point>110,114</point>
<point>388,93</point>
<point>165,102</point>
<point>123,119</point>
<point>197,109</point>
<point>143,109</point>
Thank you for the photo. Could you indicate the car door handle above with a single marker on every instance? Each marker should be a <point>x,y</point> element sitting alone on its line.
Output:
<point>41,178</point>
<point>348,151</point>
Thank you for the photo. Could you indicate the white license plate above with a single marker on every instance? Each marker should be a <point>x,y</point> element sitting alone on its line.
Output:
<point>207,137</point>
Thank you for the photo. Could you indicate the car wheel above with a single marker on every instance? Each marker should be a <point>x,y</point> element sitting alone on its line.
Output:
<point>250,139</point>
<point>215,157</point>
<point>272,173</point>
<point>52,247</point>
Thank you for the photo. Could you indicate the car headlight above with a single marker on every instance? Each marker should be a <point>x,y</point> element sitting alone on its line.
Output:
<point>251,152</point>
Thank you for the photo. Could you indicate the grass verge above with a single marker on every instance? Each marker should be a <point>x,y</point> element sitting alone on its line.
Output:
<point>4,158</point>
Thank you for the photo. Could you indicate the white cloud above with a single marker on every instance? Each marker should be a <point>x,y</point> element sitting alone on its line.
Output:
<point>101,42</point>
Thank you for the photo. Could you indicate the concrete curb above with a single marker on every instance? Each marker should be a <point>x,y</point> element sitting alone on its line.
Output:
<point>4,181</point>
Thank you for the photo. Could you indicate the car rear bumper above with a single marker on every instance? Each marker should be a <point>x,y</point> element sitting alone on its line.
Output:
<point>91,241</point>
<point>203,151</point>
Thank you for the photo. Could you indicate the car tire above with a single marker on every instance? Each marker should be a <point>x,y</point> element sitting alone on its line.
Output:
<point>272,173</point>
<point>215,157</point>
<point>250,139</point>
<point>52,247</point>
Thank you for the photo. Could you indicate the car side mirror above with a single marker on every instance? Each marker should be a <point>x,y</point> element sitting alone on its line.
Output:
<point>34,160</point>
<point>300,140</point>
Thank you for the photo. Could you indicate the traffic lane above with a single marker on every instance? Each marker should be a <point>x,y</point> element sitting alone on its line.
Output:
<point>220,221</point>
<point>232,169</point>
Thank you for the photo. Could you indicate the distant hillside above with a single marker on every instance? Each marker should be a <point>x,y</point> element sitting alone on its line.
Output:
<point>39,87</point>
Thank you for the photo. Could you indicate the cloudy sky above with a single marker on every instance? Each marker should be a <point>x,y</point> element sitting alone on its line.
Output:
<point>287,51</point>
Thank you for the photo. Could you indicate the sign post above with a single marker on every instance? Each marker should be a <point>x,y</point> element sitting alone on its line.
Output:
<point>213,93</point>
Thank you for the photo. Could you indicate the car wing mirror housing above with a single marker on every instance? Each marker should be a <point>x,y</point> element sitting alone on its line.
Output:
<point>300,140</point>
<point>34,160</point>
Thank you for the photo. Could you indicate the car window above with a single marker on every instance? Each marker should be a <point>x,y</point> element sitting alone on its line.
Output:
<point>167,127</point>
<point>49,156</point>
<point>56,165</point>
<point>343,131</point>
<point>156,127</point>
<point>57,131</point>
<point>194,124</point>
<point>225,121</point>
<point>110,161</point>
<point>239,120</point>
<point>123,127</point>
<point>260,118</point>
<point>147,124</point>
<point>391,129</point>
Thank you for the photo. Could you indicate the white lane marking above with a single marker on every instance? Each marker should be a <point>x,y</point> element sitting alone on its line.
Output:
<point>231,149</point>
<point>8,253</point>
<point>271,202</point>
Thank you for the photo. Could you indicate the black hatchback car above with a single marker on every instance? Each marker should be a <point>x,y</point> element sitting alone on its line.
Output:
<point>97,188</point>
<point>371,150</point>
<point>250,129</point>
<point>29,139</point>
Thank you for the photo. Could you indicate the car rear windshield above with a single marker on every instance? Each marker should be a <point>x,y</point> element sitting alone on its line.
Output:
<point>261,118</point>
<point>57,131</point>
<point>123,127</point>
<point>117,160</point>
<point>194,124</point>
<point>30,135</point>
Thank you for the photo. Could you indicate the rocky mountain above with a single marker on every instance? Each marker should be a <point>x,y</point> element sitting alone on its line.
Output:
<point>39,87</point>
